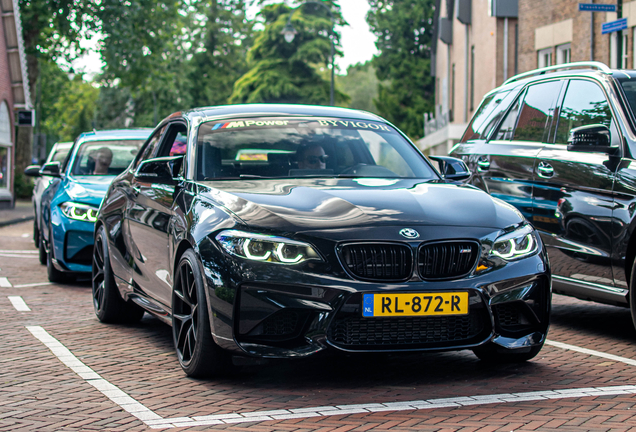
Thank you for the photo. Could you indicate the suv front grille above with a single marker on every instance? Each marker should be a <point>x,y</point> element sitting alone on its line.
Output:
<point>378,261</point>
<point>446,260</point>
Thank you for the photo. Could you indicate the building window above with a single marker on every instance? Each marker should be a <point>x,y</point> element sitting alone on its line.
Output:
<point>472,78</point>
<point>544,58</point>
<point>624,50</point>
<point>5,146</point>
<point>452,101</point>
<point>563,54</point>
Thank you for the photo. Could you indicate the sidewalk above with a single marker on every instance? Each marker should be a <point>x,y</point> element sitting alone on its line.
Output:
<point>22,211</point>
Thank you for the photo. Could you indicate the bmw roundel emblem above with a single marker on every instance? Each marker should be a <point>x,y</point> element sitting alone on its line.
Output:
<point>409,233</point>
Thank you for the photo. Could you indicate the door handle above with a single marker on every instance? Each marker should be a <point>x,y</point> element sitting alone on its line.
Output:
<point>545,169</point>
<point>483,164</point>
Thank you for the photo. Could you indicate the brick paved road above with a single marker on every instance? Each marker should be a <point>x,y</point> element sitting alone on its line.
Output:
<point>38,392</point>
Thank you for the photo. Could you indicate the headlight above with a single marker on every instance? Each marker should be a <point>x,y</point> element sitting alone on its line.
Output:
<point>77,211</point>
<point>260,247</point>
<point>515,245</point>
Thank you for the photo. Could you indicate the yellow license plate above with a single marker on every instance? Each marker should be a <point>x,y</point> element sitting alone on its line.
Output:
<point>398,305</point>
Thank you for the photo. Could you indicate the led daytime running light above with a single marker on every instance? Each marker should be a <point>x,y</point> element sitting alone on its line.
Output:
<point>514,252</point>
<point>81,212</point>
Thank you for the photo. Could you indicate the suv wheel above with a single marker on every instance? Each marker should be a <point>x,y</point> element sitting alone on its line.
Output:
<point>54,274</point>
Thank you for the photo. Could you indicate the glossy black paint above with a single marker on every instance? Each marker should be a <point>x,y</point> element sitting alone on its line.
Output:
<point>581,200</point>
<point>150,225</point>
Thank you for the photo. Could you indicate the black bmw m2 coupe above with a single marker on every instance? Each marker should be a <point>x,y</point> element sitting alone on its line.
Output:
<point>283,230</point>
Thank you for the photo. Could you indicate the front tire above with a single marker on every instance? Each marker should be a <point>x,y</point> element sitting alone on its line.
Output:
<point>493,353</point>
<point>632,293</point>
<point>197,352</point>
<point>108,304</point>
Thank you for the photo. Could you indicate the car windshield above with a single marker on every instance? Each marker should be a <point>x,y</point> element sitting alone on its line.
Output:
<point>277,147</point>
<point>60,154</point>
<point>105,157</point>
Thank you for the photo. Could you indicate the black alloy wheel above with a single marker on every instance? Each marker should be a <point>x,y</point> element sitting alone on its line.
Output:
<point>39,243</point>
<point>632,295</point>
<point>198,354</point>
<point>107,302</point>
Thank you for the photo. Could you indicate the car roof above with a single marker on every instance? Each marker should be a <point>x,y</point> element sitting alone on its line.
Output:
<point>275,110</point>
<point>115,134</point>
<point>63,145</point>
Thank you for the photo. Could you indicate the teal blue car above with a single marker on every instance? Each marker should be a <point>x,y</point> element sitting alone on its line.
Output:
<point>70,203</point>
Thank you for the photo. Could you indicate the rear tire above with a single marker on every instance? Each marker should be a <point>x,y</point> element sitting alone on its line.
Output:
<point>107,302</point>
<point>54,274</point>
<point>493,353</point>
<point>632,293</point>
<point>198,354</point>
<point>41,249</point>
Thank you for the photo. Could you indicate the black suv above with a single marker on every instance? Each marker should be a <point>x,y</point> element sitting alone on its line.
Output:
<point>559,143</point>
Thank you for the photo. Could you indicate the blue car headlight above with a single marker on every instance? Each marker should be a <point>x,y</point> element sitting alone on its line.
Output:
<point>77,211</point>
<point>266,248</point>
<point>520,243</point>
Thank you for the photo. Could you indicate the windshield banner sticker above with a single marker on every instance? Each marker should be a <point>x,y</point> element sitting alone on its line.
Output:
<point>348,124</point>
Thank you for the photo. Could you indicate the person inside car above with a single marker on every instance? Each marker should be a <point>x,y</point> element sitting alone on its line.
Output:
<point>311,156</point>
<point>102,158</point>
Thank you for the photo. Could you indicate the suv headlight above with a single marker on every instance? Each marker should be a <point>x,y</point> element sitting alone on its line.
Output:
<point>77,211</point>
<point>515,245</point>
<point>266,248</point>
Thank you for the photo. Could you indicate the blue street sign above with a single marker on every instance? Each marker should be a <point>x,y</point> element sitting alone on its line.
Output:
<point>592,7</point>
<point>614,26</point>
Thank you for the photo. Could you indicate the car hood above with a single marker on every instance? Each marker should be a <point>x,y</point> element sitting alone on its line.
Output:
<point>317,204</point>
<point>88,189</point>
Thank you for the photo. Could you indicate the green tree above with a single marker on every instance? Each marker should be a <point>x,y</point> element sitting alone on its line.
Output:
<point>361,84</point>
<point>282,72</point>
<point>404,35</point>
<point>220,51</point>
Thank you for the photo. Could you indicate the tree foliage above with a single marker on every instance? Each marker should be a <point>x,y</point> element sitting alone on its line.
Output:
<point>282,72</point>
<point>404,35</point>
<point>361,84</point>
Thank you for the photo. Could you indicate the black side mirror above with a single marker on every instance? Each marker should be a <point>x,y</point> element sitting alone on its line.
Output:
<point>452,168</point>
<point>591,138</point>
<point>161,170</point>
<point>51,169</point>
<point>32,171</point>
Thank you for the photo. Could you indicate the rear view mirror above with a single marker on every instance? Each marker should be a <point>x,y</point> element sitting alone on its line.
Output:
<point>451,168</point>
<point>591,138</point>
<point>51,169</point>
<point>32,171</point>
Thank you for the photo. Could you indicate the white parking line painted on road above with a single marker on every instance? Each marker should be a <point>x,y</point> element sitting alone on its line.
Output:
<point>155,421</point>
<point>32,284</point>
<point>109,390</point>
<point>323,411</point>
<point>616,358</point>
<point>4,283</point>
<point>19,304</point>
<point>19,251</point>
<point>7,255</point>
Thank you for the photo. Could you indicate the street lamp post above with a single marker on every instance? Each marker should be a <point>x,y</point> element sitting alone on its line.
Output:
<point>289,32</point>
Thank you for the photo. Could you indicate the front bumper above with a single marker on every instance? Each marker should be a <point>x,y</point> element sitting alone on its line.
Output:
<point>268,313</point>
<point>72,242</point>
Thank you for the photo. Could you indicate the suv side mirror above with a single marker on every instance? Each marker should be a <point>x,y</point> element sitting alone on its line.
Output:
<point>452,168</point>
<point>51,169</point>
<point>161,170</point>
<point>32,171</point>
<point>591,138</point>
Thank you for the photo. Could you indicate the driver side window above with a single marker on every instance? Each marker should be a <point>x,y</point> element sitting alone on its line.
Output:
<point>151,146</point>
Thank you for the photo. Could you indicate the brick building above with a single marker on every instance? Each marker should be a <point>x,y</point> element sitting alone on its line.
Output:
<point>14,93</point>
<point>478,44</point>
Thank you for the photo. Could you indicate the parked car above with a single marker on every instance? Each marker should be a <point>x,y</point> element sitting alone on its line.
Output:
<point>559,144</point>
<point>70,202</point>
<point>58,153</point>
<point>339,234</point>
